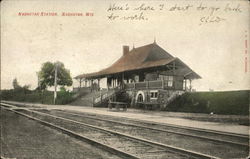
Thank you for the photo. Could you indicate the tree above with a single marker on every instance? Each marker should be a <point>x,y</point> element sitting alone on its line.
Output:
<point>20,89</point>
<point>26,87</point>
<point>46,75</point>
<point>15,84</point>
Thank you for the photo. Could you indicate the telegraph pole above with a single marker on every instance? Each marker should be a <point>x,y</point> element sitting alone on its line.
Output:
<point>55,84</point>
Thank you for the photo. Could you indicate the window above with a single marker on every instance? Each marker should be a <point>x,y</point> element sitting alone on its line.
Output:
<point>136,78</point>
<point>161,77</point>
<point>169,79</point>
<point>153,94</point>
<point>165,77</point>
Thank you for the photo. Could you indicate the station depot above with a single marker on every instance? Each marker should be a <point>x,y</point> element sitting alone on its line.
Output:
<point>143,76</point>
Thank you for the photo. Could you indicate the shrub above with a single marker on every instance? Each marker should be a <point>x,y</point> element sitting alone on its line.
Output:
<point>230,102</point>
<point>44,97</point>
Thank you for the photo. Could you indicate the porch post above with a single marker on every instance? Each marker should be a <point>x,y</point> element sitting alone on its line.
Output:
<point>91,85</point>
<point>98,80</point>
<point>185,80</point>
<point>190,85</point>
<point>108,84</point>
<point>122,84</point>
<point>80,83</point>
<point>162,83</point>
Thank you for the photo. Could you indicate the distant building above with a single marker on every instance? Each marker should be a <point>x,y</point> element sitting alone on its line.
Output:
<point>148,74</point>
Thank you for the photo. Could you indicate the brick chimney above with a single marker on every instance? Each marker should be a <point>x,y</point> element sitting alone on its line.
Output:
<point>125,50</point>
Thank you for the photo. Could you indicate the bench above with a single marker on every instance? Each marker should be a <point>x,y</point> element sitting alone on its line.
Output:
<point>148,105</point>
<point>118,105</point>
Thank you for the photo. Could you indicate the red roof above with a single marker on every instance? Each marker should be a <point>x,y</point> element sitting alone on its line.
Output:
<point>147,56</point>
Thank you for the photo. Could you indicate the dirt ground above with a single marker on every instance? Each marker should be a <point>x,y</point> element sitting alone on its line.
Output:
<point>226,123</point>
<point>229,119</point>
<point>23,138</point>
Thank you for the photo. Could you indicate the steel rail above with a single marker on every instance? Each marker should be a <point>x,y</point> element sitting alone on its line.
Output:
<point>183,127</point>
<point>160,130</point>
<point>79,137</point>
<point>157,144</point>
<point>172,125</point>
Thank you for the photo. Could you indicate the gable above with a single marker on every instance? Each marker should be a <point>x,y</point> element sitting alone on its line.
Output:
<point>157,53</point>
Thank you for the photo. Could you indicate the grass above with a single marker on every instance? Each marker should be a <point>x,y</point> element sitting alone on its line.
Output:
<point>229,102</point>
<point>44,97</point>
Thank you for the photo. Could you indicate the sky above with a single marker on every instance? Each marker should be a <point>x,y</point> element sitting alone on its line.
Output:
<point>214,41</point>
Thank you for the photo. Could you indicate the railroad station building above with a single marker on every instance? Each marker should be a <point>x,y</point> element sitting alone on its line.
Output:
<point>148,74</point>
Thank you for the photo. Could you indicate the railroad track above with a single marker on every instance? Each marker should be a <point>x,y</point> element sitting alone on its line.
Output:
<point>199,144</point>
<point>223,143</point>
<point>183,130</point>
<point>118,143</point>
<point>221,137</point>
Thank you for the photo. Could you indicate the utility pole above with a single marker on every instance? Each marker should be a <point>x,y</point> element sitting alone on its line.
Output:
<point>38,81</point>
<point>55,84</point>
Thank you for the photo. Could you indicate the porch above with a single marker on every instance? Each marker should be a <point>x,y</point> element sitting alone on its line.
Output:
<point>157,84</point>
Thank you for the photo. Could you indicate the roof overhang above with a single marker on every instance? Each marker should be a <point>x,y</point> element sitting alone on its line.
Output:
<point>105,72</point>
